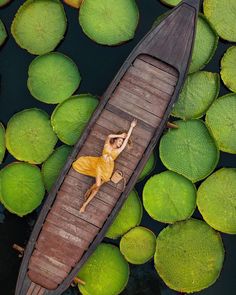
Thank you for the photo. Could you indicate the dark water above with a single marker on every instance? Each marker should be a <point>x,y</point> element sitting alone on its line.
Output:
<point>98,66</point>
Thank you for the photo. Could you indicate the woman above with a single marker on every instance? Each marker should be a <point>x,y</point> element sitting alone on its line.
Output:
<point>102,167</point>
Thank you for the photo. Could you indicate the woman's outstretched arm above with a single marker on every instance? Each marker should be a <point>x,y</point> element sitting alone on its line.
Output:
<point>132,125</point>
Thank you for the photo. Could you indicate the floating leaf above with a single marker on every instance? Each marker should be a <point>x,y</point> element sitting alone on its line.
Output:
<point>73,3</point>
<point>21,189</point>
<point>39,25</point>
<point>71,117</point>
<point>3,33</point>
<point>189,150</point>
<point>220,119</point>
<point>129,216</point>
<point>149,166</point>
<point>109,22</point>
<point>169,197</point>
<point>30,137</point>
<point>216,200</point>
<point>2,142</point>
<point>53,77</point>
<point>171,2</point>
<point>138,245</point>
<point>4,2</point>
<point>222,15</point>
<point>228,71</point>
<point>106,272</point>
<point>199,92</point>
<point>53,165</point>
<point>189,256</point>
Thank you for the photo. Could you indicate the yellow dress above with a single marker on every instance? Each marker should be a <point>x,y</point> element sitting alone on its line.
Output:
<point>102,166</point>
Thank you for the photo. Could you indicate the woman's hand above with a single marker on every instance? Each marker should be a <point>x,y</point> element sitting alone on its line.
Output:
<point>134,123</point>
<point>123,135</point>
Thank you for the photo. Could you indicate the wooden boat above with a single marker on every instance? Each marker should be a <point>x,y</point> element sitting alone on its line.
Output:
<point>145,88</point>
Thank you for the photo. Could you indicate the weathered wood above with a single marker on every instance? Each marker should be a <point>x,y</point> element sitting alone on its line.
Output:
<point>31,288</point>
<point>156,77</point>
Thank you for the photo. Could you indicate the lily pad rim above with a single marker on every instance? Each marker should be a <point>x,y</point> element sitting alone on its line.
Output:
<point>153,167</point>
<point>231,48</point>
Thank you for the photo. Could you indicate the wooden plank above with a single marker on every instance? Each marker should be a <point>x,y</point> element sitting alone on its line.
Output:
<point>41,291</point>
<point>158,73</point>
<point>155,109</point>
<point>38,275</point>
<point>150,79</point>
<point>31,288</point>
<point>134,110</point>
<point>159,64</point>
<point>36,290</point>
<point>73,240</point>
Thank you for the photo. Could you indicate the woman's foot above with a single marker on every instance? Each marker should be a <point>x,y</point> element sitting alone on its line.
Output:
<point>82,209</point>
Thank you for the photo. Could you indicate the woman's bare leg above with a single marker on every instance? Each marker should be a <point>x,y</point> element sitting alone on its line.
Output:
<point>94,190</point>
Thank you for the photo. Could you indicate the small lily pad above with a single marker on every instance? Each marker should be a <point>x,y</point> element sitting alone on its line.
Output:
<point>189,256</point>
<point>169,197</point>
<point>39,25</point>
<point>216,200</point>
<point>222,15</point>
<point>189,150</point>
<point>73,3</point>
<point>138,245</point>
<point>148,168</point>
<point>30,137</point>
<point>2,142</point>
<point>109,22</point>
<point>220,120</point>
<point>53,165</point>
<point>199,92</point>
<point>228,71</point>
<point>106,272</point>
<point>53,77</point>
<point>171,3</point>
<point>71,117</point>
<point>21,188</point>
<point>4,2</point>
<point>3,33</point>
<point>129,216</point>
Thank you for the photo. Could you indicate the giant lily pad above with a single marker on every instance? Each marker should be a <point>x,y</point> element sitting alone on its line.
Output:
<point>216,200</point>
<point>171,2</point>
<point>2,142</point>
<point>53,77</point>
<point>71,117</point>
<point>52,166</point>
<point>30,137</point>
<point>189,150</point>
<point>4,2</point>
<point>148,167</point>
<point>220,119</point>
<point>3,33</point>
<point>222,16</point>
<point>138,245</point>
<point>199,92</point>
<point>169,197</point>
<point>21,188</point>
<point>106,272</point>
<point>129,216</point>
<point>189,256</point>
<point>39,25</point>
<point>228,71</point>
<point>109,22</point>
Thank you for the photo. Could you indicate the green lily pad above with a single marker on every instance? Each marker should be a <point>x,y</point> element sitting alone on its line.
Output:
<point>199,92</point>
<point>71,117</point>
<point>148,168</point>
<point>171,3</point>
<point>21,188</point>
<point>189,256</point>
<point>129,216</point>
<point>109,22</point>
<point>106,272</point>
<point>228,71</point>
<point>73,3</point>
<point>138,245</point>
<point>30,137</point>
<point>52,166</point>
<point>216,200</point>
<point>189,150</point>
<point>53,77</point>
<point>3,33</point>
<point>2,142</point>
<point>222,16</point>
<point>169,197</point>
<point>220,120</point>
<point>39,25</point>
<point>4,2</point>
